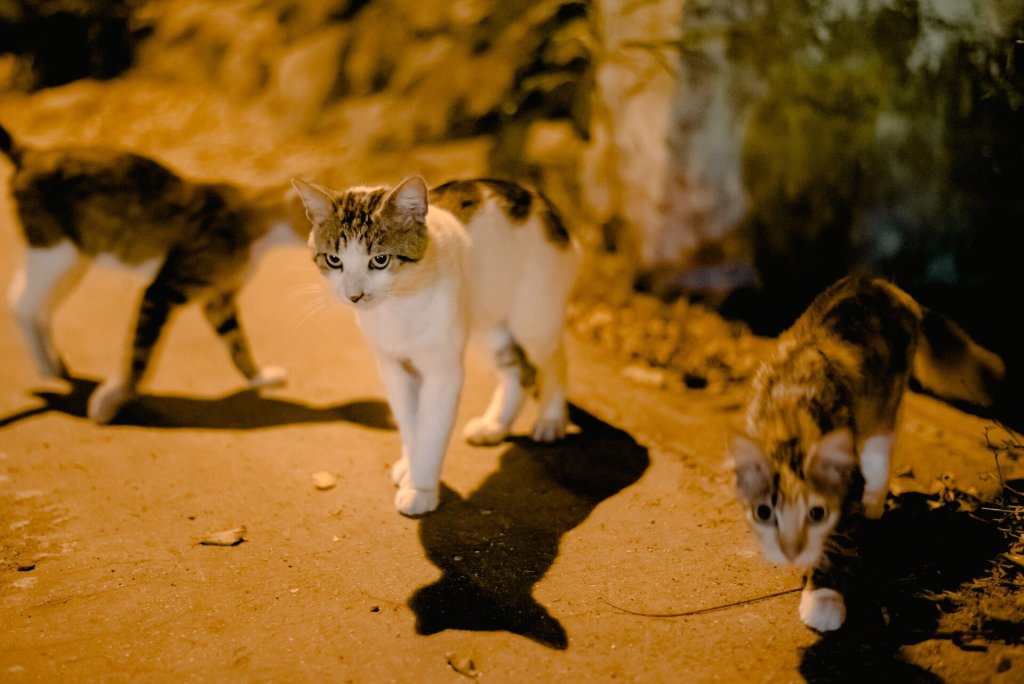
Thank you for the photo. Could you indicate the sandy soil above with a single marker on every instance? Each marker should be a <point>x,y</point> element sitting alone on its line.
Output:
<point>535,568</point>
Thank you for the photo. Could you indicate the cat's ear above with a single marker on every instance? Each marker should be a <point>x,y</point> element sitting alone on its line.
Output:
<point>409,199</point>
<point>753,469</point>
<point>831,460</point>
<point>317,200</point>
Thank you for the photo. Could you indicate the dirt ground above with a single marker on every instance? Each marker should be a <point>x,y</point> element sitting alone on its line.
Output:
<point>618,555</point>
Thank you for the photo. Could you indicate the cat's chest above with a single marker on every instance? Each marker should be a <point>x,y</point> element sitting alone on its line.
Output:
<point>409,327</point>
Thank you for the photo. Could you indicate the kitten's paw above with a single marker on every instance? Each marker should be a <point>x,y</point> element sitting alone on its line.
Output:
<point>484,432</point>
<point>874,504</point>
<point>107,400</point>
<point>400,472</point>
<point>547,430</point>
<point>269,376</point>
<point>822,610</point>
<point>413,502</point>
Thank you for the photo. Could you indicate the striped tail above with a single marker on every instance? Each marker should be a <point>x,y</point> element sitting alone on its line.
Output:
<point>949,363</point>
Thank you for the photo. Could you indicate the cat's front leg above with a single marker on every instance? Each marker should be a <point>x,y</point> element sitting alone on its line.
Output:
<point>221,312</point>
<point>435,417</point>
<point>402,385</point>
<point>875,458</point>
<point>822,608</point>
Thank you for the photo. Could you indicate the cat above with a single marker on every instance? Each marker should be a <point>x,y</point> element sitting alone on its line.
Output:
<point>815,456</point>
<point>191,241</point>
<point>424,268</point>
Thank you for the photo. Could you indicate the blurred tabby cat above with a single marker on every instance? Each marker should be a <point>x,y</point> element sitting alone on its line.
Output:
<point>191,241</point>
<point>422,269</point>
<point>821,423</point>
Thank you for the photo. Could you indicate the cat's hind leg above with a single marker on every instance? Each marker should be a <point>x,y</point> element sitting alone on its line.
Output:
<point>515,375</point>
<point>552,410</point>
<point>47,276</point>
<point>875,458</point>
<point>221,312</point>
<point>158,301</point>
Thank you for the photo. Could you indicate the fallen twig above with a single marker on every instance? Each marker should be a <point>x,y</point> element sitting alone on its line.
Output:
<point>702,611</point>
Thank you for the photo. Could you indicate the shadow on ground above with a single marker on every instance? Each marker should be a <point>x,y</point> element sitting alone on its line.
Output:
<point>913,563</point>
<point>243,410</point>
<point>495,545</point>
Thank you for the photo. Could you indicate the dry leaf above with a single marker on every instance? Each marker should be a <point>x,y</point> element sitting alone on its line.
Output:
<point>232,537</point>
<point>462,665</point>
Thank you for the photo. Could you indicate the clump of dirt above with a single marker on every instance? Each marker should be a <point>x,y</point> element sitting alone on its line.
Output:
<point>675,344</point>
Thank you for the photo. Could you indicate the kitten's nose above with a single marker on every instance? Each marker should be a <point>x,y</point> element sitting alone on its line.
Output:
<point>356,298</point>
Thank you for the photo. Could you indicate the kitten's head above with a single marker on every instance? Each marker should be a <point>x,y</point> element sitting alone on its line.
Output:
<point>366,240</point>
<point>794,493</point>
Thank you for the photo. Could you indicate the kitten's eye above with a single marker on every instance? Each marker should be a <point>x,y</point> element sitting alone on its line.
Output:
<point>816,514</point>
<point>333,260</point>
<point>380,261</point>
<point>763,513</point>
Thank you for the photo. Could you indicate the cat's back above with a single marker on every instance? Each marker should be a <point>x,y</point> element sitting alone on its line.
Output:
<point>516,239</point>
<point>111,202</point>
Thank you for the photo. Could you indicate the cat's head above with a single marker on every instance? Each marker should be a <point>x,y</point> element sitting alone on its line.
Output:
<point>794,493</point>
<point>366,240</point>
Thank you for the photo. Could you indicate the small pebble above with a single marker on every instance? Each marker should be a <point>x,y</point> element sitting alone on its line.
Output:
<point>324,480</point>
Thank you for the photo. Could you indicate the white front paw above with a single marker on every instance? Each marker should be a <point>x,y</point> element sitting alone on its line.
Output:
<point>413,502</point>
<point>269,376</point>
<point>822,610</point>
<point>107,400</point>
<point>547,430</point>
<point>874,504</point>
<point>400,472</point>
<point>484,432</point>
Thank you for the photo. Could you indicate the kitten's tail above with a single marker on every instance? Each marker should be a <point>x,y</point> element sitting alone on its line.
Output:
<point>12,149</point>
<point>951,364</point>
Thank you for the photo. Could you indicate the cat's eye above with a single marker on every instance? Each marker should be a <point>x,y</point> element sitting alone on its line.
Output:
<point>380,261</point>
<point>763,513</point>
<point>816,514</point>
<point>333,260</point>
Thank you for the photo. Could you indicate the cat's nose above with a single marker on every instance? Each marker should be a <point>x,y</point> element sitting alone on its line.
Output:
<point>356,298</point>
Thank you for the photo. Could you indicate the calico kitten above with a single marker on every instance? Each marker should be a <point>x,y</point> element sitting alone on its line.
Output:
<point>422,270</point>
<point>821,423</point>
<point>193,242</point>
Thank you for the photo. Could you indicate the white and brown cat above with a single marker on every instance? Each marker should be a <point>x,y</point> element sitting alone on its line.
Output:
<point>425,268</point>
<point>823,417</point>
<point>192,242</point>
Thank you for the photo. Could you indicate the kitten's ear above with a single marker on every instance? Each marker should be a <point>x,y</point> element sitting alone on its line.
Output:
<point>409,199</point>
<point>753,469</point>
<point>317,199</point>
<point>832,460</point>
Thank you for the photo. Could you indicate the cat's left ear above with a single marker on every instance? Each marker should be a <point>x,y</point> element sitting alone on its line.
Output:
<point>317,200</point>
<point>409,199</point>
<point>832,459</point>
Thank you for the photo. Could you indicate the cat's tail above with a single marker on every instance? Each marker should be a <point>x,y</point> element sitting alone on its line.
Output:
<point>12,149</point>
<point>949,363</point>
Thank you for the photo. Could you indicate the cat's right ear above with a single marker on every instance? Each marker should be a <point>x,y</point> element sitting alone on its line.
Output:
<point>317,200</point>
<point>409,199</point>
<point>753,470</point>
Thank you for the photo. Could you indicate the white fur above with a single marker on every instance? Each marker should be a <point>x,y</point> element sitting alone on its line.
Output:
<point>822,610</point>
<point>48,274</point>
<point>506,281</point>
<point>875,456</point>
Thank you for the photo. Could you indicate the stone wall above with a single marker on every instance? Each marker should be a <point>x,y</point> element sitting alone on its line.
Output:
<point>718,144</point>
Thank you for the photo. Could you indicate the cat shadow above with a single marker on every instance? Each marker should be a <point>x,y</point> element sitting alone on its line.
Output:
<point>494,545</point>
<point>908,560</point>
<point>243,410</point>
